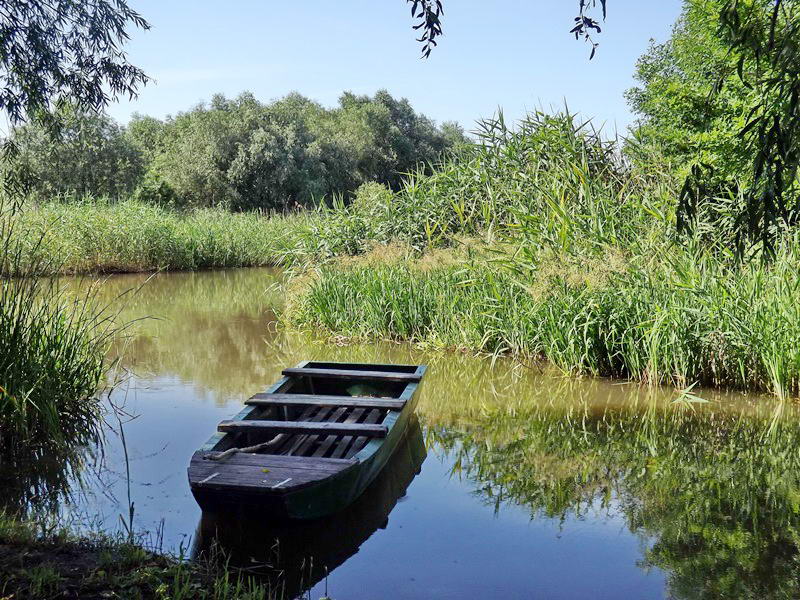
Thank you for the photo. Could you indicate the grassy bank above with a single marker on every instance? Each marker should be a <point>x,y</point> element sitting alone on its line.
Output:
<point>60,565</point>
<point>101,237</point>
<point>581,266</point>
<point>675,321</point>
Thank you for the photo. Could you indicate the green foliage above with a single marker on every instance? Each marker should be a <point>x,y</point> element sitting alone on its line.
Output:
<point>237,154</point>
<point>688,109</point>
<point>766,34</point>
<point>94,236</point>
<point>245,155</point>
<point>550,173</point>
<point>721,99</point>
<point>92,155</point>
<point>38,73</point>
<point>679,321</point>
<point>63,565</point>
<point>58,54</point>
<point>584,271</point>
<point>52,354</point>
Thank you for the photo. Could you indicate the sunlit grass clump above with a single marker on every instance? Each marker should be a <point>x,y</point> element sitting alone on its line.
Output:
<point>52,359</point>
<point>129,236</point>
<point>676,319</point>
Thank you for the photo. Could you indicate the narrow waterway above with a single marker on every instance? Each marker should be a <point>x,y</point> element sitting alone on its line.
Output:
<point>517,483</point>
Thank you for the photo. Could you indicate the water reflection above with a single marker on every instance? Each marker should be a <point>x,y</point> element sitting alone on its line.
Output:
<point>718,489</point>
<point>295,556</point>
<point>537,483</point>
<point>37,487</point>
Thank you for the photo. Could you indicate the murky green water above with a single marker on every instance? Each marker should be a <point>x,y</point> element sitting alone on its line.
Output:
<point>535,485</point>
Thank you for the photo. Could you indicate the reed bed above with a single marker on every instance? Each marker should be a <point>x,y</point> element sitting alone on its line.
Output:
<point>95,236</point>
<point>583,268</point>
<point>52,353</point>
<point>678,321</point>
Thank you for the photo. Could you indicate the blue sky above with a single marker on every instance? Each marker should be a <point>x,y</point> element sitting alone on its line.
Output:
<point>517,56</point>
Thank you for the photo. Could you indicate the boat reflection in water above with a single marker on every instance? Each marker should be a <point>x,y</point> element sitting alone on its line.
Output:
<point>296,555</point>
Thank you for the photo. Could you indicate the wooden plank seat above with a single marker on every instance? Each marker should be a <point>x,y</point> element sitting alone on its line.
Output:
<point>245,472</point>
<point>353,374</point>
<point>327,401</point>
<point>304,427</point>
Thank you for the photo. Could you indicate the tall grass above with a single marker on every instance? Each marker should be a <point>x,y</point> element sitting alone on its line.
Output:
<point>551,175</point>
<point>586,270</point>
<point>52,350</point>
<point>680,318</point>
<point>129,236</point>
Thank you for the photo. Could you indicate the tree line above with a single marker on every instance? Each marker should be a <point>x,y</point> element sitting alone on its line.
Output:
<point>239,153</point>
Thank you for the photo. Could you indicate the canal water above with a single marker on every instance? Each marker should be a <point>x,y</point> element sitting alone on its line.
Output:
<point>517,482</point>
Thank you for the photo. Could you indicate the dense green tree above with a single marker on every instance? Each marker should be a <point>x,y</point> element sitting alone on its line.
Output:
<point>93,156</point>
<point>682,111</point>
<point>57,53</point>
<point>245,154</point>
<point>722,99</point>
<point>277,166</point>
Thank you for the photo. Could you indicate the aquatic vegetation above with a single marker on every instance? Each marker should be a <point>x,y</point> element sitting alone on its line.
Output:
<point>101,237</point>
<point>580,267</point>
<point>52,352</point>
<point>680,320</point>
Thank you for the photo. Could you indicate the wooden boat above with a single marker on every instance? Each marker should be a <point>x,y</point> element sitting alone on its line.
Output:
<point>294,555</point>
<point>310,444</point>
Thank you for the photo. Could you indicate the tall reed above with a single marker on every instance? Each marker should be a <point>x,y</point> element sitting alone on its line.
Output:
<point>678,320</point>
<point>52,352</point>
<point>94,235</point>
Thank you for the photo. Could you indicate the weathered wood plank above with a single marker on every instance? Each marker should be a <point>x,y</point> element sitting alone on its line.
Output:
<point>352,374</point>
<point>329,401</point>
<point>334,417</point>
<point>358,443</point>
<point>346,444</point>
<point>288,440</point>
<point>215,475</point>
<point>297,440</point>
<point>304,427</point>
<point>353,417</point>
<point>332,465</point>
<point>393,367</point>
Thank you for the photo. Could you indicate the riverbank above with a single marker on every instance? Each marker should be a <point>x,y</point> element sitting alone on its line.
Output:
<point>96,236</point>
<point>62,565</point>
<point>677,320</point>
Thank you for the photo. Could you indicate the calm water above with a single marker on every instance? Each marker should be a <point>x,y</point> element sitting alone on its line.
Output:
<point>535,485</point>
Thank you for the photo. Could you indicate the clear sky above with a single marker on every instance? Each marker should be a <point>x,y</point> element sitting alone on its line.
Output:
<point>516,55</point>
